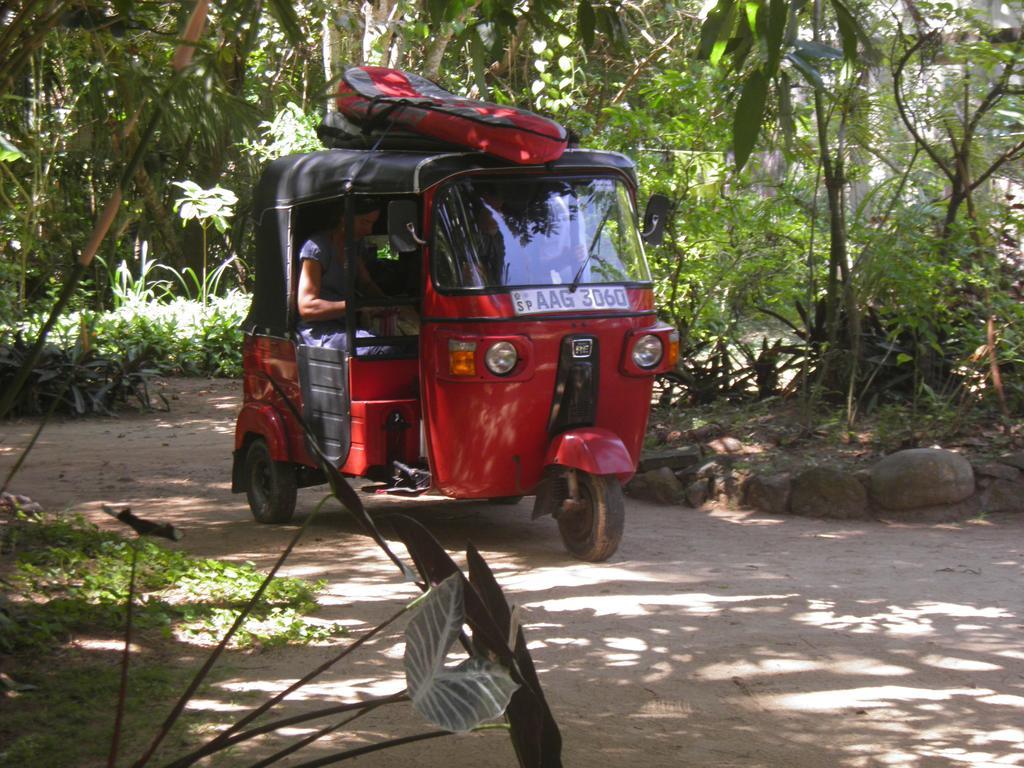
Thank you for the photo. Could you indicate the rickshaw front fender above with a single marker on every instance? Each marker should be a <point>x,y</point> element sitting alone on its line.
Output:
<point>592,449</point>
<point>257,420</point>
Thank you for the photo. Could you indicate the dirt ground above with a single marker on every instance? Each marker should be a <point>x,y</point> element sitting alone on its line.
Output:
<point>712,638</point>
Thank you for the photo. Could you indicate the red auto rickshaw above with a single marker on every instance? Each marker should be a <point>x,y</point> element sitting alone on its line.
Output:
<point>529,367</point>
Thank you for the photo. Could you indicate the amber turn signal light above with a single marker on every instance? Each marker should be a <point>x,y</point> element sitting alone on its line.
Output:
<point>461,358</point>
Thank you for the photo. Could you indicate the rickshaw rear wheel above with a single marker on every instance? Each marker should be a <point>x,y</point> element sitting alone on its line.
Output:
<point>593,529</point>
<point>271,487</point>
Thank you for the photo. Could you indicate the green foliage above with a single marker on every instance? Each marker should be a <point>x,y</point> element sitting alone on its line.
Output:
<point>760,41</point>
<point>560,82</point>
<point>128,289</point>
<point>71,577</point>
<point>207,206</point>
<point>8,151</point>
<point>74,381</point>
<point>290,132</point>
<point>797,92</point>
<point>179,336</point>
<point>196,286</point>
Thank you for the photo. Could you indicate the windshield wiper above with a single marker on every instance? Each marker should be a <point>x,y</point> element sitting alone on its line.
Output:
<point>590,253</point>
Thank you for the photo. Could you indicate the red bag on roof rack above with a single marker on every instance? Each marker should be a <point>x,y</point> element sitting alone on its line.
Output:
<point>374,97</point>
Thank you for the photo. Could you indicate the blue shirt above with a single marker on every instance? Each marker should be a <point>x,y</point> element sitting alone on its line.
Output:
<point>320,248</point>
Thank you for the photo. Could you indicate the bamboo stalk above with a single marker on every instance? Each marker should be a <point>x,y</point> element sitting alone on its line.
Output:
<point>993,366</point>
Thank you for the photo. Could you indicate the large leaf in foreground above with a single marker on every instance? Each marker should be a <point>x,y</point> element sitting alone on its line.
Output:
<point>455,698</point>
<point>534,732</point>
<point>436,565</point>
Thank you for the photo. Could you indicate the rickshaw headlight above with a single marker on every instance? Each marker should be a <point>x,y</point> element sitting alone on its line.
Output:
<point>461,357</point>
<point>501,358</point>
<point>647,351</point>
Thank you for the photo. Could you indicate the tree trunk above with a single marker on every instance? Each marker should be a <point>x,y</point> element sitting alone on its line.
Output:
<point>332,56</point>
<point>435,53</point>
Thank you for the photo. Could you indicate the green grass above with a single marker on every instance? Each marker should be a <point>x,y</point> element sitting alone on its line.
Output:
<point>65,578</point>
<point>70,577</point>
<point>67,719</point>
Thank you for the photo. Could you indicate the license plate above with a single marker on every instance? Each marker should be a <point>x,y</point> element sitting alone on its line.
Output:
<point>592,298</point>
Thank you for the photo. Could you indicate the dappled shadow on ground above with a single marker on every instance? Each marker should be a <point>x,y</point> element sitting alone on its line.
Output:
<point>717,639</point>
<point>712,638</point>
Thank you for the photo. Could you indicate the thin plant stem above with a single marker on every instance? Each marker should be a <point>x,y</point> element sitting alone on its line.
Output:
<point>179,707</point>
<point>302,743</point>
<point>204,265</point>
<point>285,722</point>
<point>216,743</point>
<point>122,694</point>
<point>369,748</point>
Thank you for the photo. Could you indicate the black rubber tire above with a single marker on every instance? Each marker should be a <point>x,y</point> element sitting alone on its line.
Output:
<point>593,533</point>
<point>270,485</point>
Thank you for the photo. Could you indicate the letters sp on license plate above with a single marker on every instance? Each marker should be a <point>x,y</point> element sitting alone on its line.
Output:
<point>530,301</point>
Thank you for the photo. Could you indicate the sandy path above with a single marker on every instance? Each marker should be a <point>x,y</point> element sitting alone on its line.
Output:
<point>712,638</point>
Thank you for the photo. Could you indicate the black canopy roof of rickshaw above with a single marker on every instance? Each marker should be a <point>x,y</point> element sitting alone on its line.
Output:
<point>301,178</point>
<point>297,180</point>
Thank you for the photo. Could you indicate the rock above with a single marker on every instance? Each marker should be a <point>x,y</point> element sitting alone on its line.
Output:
<point>1013,459</point>
<point>768,493</point>
<point>726,445</point>
<point>658,485</point>
<point>697,493</point>
<point>1003,496</point>
<point>660,435</point>
<point>15,502</point>
<point>921,477</point>
<point>864,478</point>
<point>730,486</point>
<point>713,468</point>
<point>824,492</point>
<point>705,432</point>
<point>677,458</point>
<point>997,469</point>
<point>939,513</point>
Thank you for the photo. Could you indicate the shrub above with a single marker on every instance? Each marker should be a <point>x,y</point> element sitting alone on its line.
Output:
<point>179,336</point>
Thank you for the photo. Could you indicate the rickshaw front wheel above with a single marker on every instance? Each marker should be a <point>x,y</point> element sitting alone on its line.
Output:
<point>271,486</point>
<point>592,529</point>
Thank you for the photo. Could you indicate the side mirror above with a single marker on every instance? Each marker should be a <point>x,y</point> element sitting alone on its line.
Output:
<point>655,218</point>
<point>402,219</point>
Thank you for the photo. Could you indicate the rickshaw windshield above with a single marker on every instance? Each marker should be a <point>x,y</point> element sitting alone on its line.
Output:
<point>492,233</point>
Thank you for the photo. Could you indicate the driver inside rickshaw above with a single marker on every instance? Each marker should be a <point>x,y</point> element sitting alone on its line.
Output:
<point>322,302</point>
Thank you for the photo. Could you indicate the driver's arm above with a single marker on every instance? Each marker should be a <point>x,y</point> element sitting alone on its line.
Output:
<point>311,306</point>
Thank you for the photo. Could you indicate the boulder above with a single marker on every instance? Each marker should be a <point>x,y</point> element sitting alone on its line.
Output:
<point>729,486</point>
<point>938,513</point>
<point>725,445</point>
<point>697,492</point>
<point>677,458</point>
<point>768,493</point>
<point>824,492</point>
<point>921,477</point>
<point>1013,459</point>
<point>720,465</point>
<point>996,469</point>
<point>1003,496</point>
<point>658,485</point>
